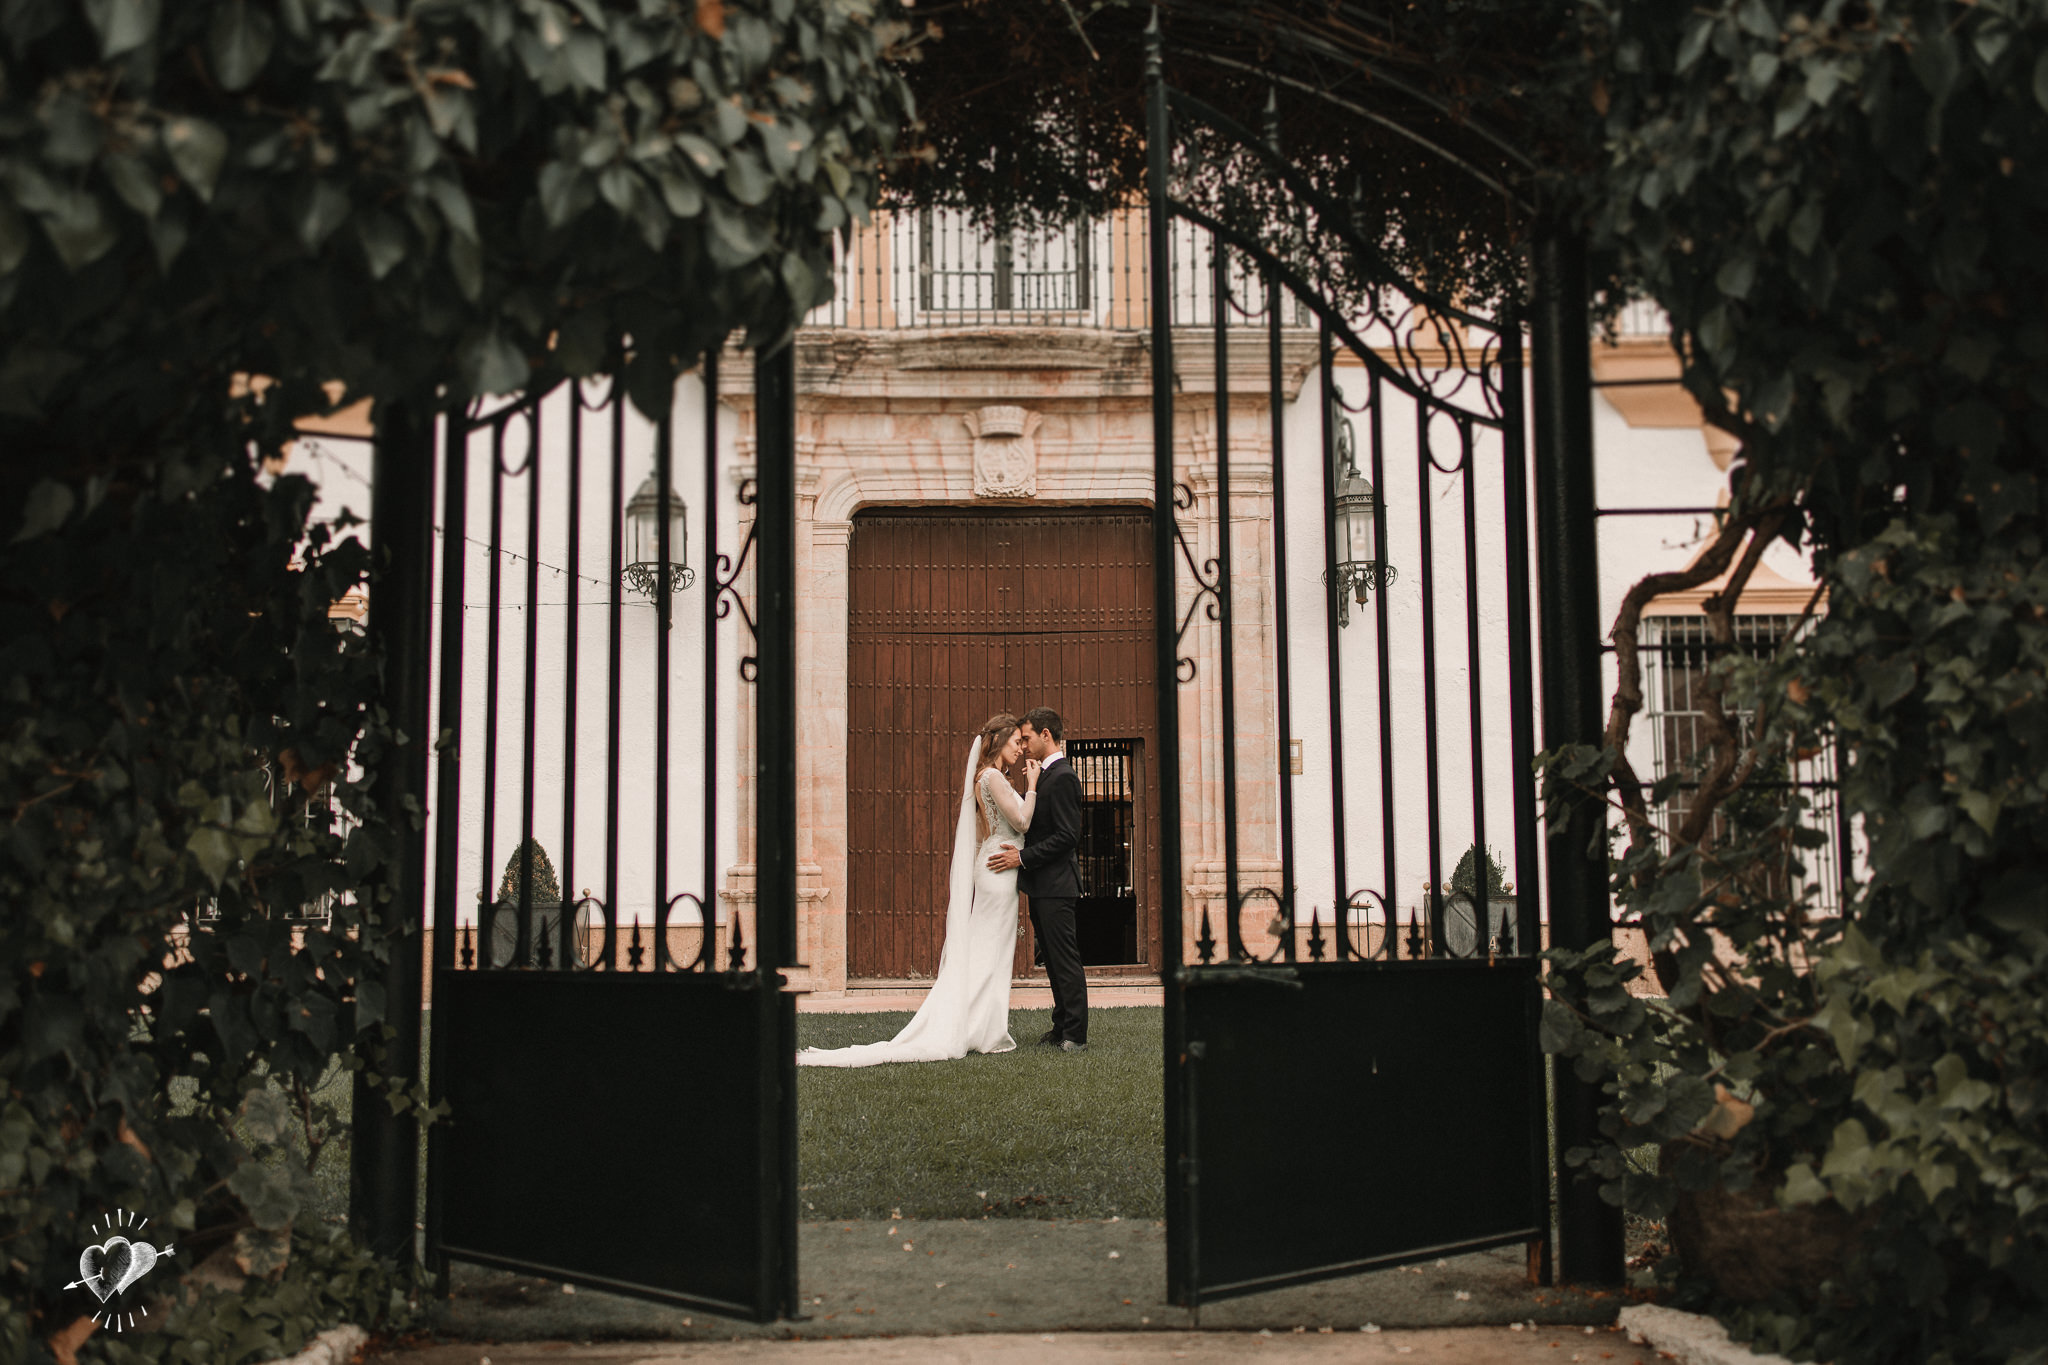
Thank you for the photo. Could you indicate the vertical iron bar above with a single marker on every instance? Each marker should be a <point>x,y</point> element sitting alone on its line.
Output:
<point>566,922</point>
<point>1382,665</point>
<point>1219,288</point>
<point>447,805</point>
<point>1332,596</point>
<point>775,822</point>
<point>487,898</point>
<point>384,1149</point>
<point>616,585</point>
<point>1482,863</point>
<point>1275,411</point>
<point>1590,1233</point>
<point>775,652</point>
<point>1182,1208</point>
<point>664,616</point>
<point>1521,687</point>
<point>1426,507</point>
<point>523,954</point>
<point>707,953</point>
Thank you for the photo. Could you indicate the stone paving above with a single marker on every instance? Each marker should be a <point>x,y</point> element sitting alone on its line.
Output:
<point>1010,1276</point>
<point>1426,1346</point>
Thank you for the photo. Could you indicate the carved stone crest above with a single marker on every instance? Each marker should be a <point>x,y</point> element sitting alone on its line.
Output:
<point>1005,452</point>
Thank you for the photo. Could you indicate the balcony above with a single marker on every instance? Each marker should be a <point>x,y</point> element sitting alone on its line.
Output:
<point>935,269</point>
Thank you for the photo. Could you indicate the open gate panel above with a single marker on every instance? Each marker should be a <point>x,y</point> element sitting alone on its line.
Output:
<point>1309,1154</point>
<point>679,1204</point>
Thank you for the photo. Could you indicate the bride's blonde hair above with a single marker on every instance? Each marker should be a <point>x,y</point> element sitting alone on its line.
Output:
<point>995,733</point>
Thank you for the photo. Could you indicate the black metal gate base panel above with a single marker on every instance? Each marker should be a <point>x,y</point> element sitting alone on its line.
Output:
<point>536,1060</point>
<point>1311,1156</point>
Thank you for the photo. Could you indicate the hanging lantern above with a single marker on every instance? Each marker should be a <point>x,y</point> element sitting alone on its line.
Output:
<point>643,529</point>
<point>1355,511</point>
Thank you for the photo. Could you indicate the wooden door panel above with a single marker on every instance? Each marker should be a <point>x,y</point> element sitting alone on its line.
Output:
<point>953,617</point>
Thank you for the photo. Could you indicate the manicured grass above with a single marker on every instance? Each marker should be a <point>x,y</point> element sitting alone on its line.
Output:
<point>1033,1133</point>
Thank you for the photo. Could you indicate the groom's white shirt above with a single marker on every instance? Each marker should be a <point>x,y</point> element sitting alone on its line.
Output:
<point>1055,757</point>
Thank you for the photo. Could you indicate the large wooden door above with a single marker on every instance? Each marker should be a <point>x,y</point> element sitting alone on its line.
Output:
<point>955,616</point>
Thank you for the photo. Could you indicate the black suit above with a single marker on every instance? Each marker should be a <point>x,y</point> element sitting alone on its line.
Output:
<point>1051,876</point>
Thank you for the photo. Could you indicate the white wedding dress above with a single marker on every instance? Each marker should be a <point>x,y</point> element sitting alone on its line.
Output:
<point>968,1007</point>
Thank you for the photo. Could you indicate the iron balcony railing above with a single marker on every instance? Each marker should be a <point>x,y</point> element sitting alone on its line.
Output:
<point>935,268</point>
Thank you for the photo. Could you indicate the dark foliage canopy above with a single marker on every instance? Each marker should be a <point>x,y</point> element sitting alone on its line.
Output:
<point>419,201</point>
<point>1438,122</point>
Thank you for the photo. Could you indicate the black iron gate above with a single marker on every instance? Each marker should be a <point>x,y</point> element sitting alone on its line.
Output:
<point>1327,1022</point>
<point>609,1028</point>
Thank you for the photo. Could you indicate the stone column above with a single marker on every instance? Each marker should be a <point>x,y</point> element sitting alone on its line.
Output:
<point>821,727</point>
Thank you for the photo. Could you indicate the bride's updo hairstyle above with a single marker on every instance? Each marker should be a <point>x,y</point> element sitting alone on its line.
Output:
<point>995,733</point>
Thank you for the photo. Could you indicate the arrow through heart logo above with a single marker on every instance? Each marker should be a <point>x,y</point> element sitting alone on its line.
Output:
<point>111,1267</point>
<point>115,1264</point>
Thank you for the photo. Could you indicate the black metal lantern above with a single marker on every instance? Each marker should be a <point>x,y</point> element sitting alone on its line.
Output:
<point>1356,513</point>
<point>643,529</point>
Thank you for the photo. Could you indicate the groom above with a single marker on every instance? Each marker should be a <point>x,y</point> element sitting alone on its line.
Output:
<point>1051,876</point>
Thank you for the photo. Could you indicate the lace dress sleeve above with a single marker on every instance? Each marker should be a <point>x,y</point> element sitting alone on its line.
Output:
<point>1015,809</point>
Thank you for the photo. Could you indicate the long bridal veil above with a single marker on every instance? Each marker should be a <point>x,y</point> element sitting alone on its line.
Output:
<point>941,1026</point>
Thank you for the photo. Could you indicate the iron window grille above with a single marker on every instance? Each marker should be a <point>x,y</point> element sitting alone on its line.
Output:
<point>1108,795</point>
<point>1678,653</point>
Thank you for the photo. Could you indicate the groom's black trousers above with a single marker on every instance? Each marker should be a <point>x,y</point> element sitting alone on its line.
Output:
<point>1052,919</point>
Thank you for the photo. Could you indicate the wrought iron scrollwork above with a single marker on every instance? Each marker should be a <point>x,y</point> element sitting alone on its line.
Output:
<point>1208,578</point>
<point>1280,927</point>
<point>1349,917</point>
<point>646,579</point>
<point>725,576</point>
<point>1312,238</point>
<point>706,958</point>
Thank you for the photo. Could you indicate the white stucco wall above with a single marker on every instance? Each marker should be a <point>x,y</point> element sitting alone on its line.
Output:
<point>543,603</point>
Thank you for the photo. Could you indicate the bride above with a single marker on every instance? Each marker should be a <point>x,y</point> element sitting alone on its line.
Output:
<point>968,1009</point>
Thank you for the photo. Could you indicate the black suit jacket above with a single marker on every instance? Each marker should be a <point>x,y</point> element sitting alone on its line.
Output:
<point>1050,865</point>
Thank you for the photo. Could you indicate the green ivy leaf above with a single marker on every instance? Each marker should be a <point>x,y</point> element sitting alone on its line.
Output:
<point>564,192</point>
<point>239,41</point>
<point>586,58</point>
<point>1736,276</point>
<point>1982,807</point>
<point>77,227</point>
<point>1801,1186</point>
<point>327,207</point>
<point>198,150</point>
<point>493,365</point>
<point>456,211</point>
<point>266,1192</point>
<point>214,849</point>
<point>1559,1028</point>
<point>134,182</point>
<point>123,25</point>
<point>14,236</point>
<point>266,1115</point>
<point>383,242</point>
<point>48,503</point>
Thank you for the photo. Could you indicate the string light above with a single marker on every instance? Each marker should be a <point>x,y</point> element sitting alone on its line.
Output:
<point>515,558</point>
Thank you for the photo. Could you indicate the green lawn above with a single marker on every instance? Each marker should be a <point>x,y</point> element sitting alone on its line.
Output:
<point>1033,1133</point>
